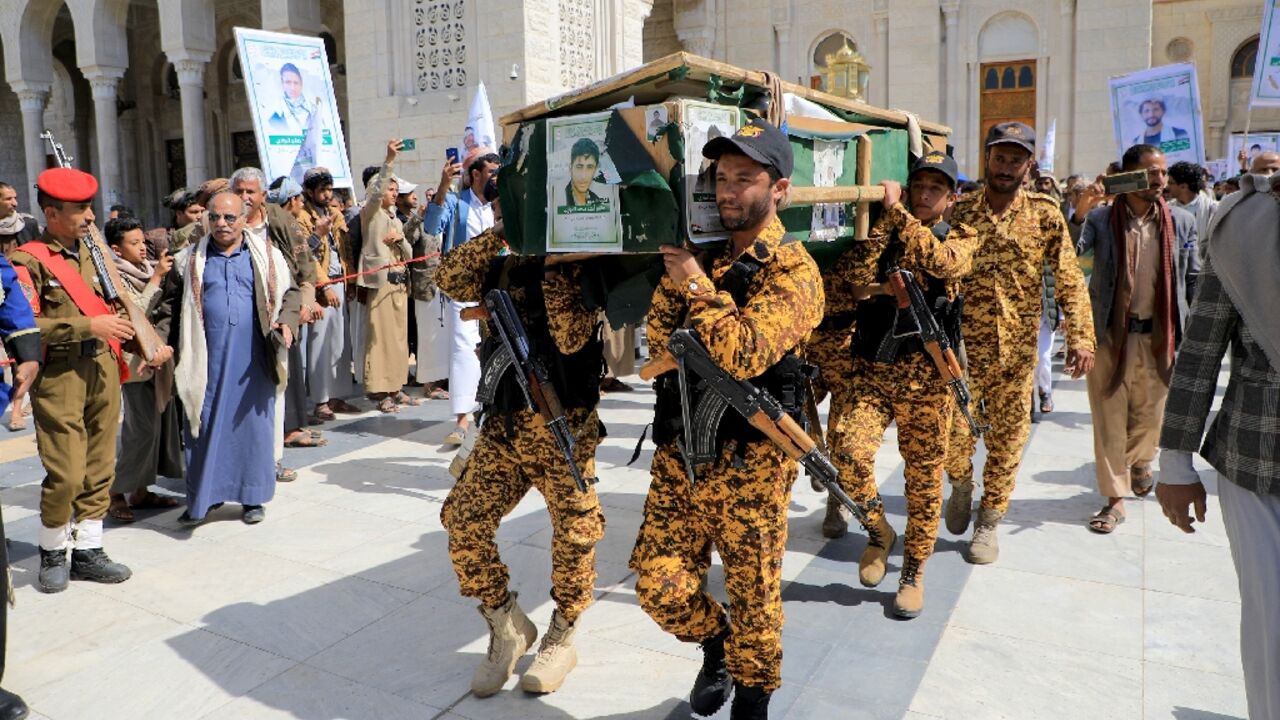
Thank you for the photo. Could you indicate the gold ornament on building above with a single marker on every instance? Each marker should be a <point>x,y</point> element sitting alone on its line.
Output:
<point>846,73</point>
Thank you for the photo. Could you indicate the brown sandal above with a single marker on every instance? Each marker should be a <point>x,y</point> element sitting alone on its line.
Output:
<point>1141,480</point>
<point>119,510</point>
<point>342,406</point>
<point>1106,521</point>
<point>388,405</point>
<point>152,501</point>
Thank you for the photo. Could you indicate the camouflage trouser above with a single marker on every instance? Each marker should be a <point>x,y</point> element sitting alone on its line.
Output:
<point>740,507</point>
<point>1006,392</point>
<point>910,392</point>
<point>501,469</point>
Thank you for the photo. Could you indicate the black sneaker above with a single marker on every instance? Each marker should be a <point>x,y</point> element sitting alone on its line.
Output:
<point>12,707</point>
<point>253,514</point>
<point>712,686</point>
<point>749,703</point>
<point>95,566</point>
<point>54,575</point>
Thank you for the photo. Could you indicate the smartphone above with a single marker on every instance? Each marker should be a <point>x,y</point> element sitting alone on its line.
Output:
<point>451,154</point>
<point>408,144</point>
<point>1125,182</point>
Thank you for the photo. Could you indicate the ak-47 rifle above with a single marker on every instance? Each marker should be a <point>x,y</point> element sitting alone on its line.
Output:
<point>146,341</point>
<point>915,314</point>
<point>722,391</point>
<point>529,371</point>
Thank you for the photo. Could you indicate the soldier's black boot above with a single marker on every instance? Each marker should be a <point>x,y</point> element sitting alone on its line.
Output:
<point>11,706</point>
<point>53,571</point>
<point>749,703</point>
<point>713,684</point>
<point>94,565</point>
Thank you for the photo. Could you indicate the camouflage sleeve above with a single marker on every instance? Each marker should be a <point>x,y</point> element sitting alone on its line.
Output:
<point>837,284</point>
<point>1070,291</point>
<point>665,311</point>
<point>925,252</point>
<point>747,341</point>
<point>462,269</point>
<point>864,256</point>
<point>570,322</point>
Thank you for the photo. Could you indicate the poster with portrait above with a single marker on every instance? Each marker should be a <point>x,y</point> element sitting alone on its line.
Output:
<point>291,100</point>
<point>1159,106</point>
<point>1253,146</point>
<point>583,213</point>
<point>1265,91</point>
<point>701,123</point>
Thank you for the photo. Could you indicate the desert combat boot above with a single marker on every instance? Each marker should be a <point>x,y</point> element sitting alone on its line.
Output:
<point>983,549</point>
<point>875,559</point>
<point>511,634</point>
<point>909,602</point>
<point>836,522</point>
<point>556,657</point>
<point>959,509</point>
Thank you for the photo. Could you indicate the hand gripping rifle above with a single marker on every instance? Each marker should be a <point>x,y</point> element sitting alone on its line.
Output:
<point>761,410</point>
<point>915,318</point>
<point>530,374</point>
<point>146,341</point>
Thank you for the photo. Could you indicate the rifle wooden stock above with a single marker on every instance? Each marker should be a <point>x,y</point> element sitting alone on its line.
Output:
<point>898,287</point>
<point>479,312</point>
<point>786,433</point>
<point>656,366</point>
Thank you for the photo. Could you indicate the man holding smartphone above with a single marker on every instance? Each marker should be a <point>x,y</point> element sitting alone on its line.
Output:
<point>457,217</point>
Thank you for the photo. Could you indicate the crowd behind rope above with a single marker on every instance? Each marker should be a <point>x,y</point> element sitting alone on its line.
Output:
<point>284,305</point>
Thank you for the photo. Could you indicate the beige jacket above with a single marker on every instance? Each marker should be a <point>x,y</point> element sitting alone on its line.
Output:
<point>375,223</point>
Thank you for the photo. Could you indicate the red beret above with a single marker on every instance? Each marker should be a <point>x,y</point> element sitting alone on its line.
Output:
<point>68,185</point>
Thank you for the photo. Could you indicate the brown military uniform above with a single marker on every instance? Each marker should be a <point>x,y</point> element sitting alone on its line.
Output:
<point>908,391</point>
<point>75,399</point>
<point>739,503</point>
<point>1002,320</point>
<point>517,452</point>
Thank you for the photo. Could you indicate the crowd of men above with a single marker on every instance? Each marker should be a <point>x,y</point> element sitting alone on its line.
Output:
<point>270,305</point>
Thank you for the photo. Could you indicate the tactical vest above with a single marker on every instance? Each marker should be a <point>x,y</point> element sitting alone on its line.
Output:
<point>875,316</point>
<point>575,377</point>
<point>785,381</point>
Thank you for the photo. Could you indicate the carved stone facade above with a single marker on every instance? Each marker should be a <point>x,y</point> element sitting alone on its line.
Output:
<point>440,40</point>
<point>578,35</point>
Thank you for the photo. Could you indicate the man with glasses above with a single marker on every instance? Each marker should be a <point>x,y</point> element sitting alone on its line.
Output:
<point>232,369</point>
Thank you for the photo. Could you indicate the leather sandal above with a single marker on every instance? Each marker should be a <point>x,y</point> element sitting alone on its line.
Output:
<point>1106,521</point>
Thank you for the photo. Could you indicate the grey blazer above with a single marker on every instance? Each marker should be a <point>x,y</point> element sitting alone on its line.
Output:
<point>1096,236</point>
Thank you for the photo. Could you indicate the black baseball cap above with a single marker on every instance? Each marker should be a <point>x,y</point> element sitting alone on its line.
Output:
<point>759,141</point>
<point>940,162</point>
<point>1013,133</point>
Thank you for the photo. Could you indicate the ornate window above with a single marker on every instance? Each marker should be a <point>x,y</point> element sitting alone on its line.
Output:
<point>577,42</point>
<point>1246,57</point>
<point>440,44</point>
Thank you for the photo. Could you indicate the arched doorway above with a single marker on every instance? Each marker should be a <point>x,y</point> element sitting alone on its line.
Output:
<point>1007,47</point>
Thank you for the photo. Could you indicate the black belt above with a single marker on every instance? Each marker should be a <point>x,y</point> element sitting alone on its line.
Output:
<point>1142,327</point>
<point>397,278</point>
<point>69,351</point>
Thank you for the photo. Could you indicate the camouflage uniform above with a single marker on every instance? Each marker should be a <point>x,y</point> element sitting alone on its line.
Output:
<point>740,501</point>
<point>1002,312</point>
<point>908,391</point>
<point>515,452</point>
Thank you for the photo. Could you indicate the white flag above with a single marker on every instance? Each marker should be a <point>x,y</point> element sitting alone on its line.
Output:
<point>479,130</point>
<point>1046,147</point>
<point>1266,74</point>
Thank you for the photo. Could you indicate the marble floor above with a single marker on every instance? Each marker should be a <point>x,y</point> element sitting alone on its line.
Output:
<point>343,603</point>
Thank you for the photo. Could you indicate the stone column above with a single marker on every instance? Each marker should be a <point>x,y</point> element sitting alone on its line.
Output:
<point>1065,76</point>
<point>32,98</point>
<point>191,85</point>
<point>880,17</point>
<point>955,83</point>
<point>104,83</point>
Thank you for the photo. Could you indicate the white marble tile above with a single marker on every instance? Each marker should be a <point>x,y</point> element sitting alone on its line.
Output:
<point>314,534</point>
<point>1173,692</point>
<point>1210,532</point>
<point>1187,568</point>
<point>181,676</point>
<point>306,692</point>
<point>1192,633</point>
<point>1071,551</point>
<point>981,675</point>
<point>414,557</point>
<point>1067,613</point>
<point>305,613</point>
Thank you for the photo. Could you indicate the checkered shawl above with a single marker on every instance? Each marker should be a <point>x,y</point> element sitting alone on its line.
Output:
<point>1243,442</point>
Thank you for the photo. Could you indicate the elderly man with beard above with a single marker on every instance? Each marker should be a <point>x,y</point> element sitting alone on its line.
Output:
<point>231,309</point>
<point>1018,233</point>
